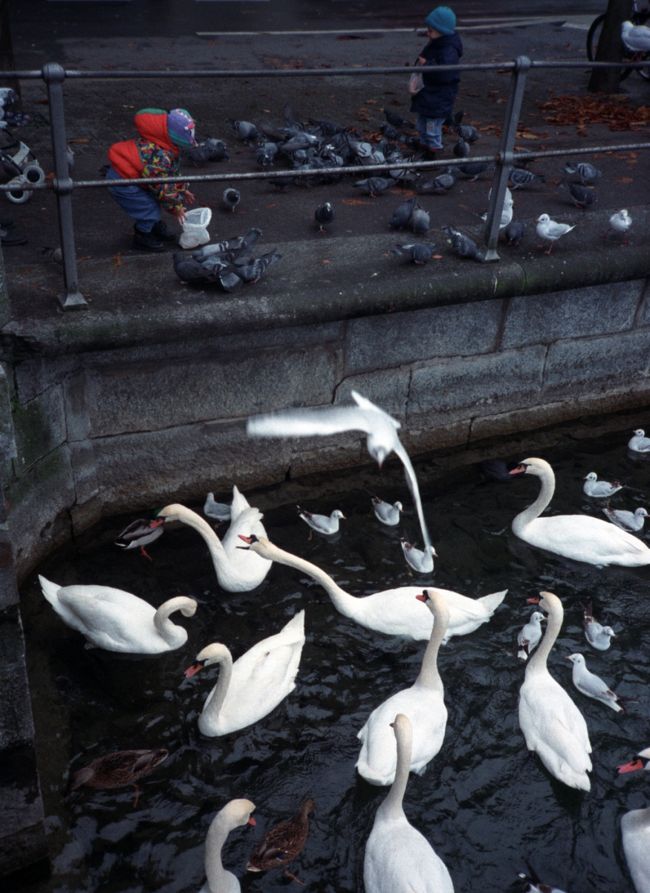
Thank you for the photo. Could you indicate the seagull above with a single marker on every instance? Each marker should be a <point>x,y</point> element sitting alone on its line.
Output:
<point>598,636</point>
<point>231,198</point>
<point>586,173</point>
<point>217,510</point>
<point>639,443</point>
<point>636,37</point>
<point>324,214</point>
<point>599,489</point>
<point>529,635</point>
<point>380,427</point>
<point>386,512</point>
<point>632,521</point>
<point>325,524</point>
<point>551,230</point>
<point>620,222</point>
<point>591,685</point>
<point>421,560</point>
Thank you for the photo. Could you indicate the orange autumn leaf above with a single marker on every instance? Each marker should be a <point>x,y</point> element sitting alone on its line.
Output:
<point>117,260</point>
<point>326,260</point>
<point>353,201</point>
<point>625,180</point>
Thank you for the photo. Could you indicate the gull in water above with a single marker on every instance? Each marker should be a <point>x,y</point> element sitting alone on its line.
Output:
<point>325,524</point>
<point>598,636</point>
<point>639,443</point>
<point>550,230</point>
<point>591,685</point>
<point>632,521</point>
<point>421,560</point>
<point>530,635</point>
<point>599,489</point>
<point>380,427</point>
<point>386,512</point>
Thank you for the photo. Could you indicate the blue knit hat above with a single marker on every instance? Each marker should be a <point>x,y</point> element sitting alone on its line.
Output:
<point>181,127</point>
<point>442,19</point>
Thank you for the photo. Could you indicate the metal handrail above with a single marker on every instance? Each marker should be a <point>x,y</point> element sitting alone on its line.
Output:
<point>63,184</point>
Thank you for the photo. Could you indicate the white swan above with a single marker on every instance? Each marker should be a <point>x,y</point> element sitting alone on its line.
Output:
<point>552,724</point>
<point>119,621</point>
<point>423,703</point>
<point>395,612</point>
<point>398,859</point>
<point>255,683</point>
<point>233,815</point>
<point>579,537</point>
<point>236,570</point>
<point>635,831</point>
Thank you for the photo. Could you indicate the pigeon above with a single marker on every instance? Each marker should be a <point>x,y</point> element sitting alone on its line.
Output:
<point>513,233</point>
<point>374,185</point>
<point>462,245</point>
<point>421,560</point>
<point>325,524</point>
<point>245,130</point>
<point>591,685</point>
<point>389,132</point>
<point>420,221</point>
<point>550,230</point>
<point>529,635</point>
<point>639,443</point>
<point>396,120</point>
<point>417,252</point>
<point>632,521</point>
<point>586,173</point>
<point>598,636</point>
<point>380,427</point>
<point>461,148</point>
<point>252,269</point>
<point>402,214</point>
<point>467,133</point>
<point>386,512</point>
<point>231,248</point>
<point>231,198</point>
<point>266,154</point>
<point>636,37</point>
<point>139,534</point>
<point>472,170</point>
<point>582,196</point>
<point>190,270</point>
<point>220,511</point>
<point>210,149</point>
<point>438,185</point>
<point>323,215</point>
<point>599,489</point>
<point>520,176</point>
<point>620,222</point>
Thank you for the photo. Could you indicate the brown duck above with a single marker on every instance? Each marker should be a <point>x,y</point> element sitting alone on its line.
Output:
<point>284,842</point>
<point>118,769</point>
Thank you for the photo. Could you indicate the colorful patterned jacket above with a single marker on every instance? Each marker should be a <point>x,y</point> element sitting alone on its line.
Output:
<point>151,154</point>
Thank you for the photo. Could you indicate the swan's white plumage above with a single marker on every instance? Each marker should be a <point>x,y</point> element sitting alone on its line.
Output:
<point>423,703</point>
<point>233,815</point>
<point>579,537</point>
<point>117,620</point>
<point>398,859</point>
<point>237,569</point>
<point>395,612</point>
<point>635,832</point>
<point>552,724</point>
<point>255,683</point>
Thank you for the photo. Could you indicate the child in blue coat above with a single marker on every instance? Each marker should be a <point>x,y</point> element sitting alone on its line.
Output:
<point>435,101</point>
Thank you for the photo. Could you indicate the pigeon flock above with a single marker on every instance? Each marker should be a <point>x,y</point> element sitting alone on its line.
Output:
<point>318,153</point>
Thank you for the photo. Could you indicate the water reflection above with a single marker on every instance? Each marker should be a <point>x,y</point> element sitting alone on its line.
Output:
<point>486,804</point>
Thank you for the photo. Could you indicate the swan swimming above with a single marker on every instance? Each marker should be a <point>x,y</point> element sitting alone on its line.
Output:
<point>234,814</point>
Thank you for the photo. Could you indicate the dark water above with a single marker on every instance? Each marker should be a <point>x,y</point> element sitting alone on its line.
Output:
<point>485,803</point>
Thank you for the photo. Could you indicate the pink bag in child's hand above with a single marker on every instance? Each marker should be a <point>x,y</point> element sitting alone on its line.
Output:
<point>416,83</point>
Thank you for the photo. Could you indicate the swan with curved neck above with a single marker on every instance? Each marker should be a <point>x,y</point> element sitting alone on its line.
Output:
<point>119,621</point>
<point>635,830</point>
<point>255,683</point>
<point>395,612</point>
<point>236,571</point>
<point>579,537</point>
<point>233,815</point>
<point>552,724</point>
<point>423,703</point>
<point>398,859</point>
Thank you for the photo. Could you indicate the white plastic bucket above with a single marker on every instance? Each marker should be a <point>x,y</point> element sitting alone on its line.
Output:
<point>195,228</point>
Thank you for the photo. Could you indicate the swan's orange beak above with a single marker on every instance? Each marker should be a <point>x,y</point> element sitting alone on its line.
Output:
<point>251,821</point>
<point>422,597</point>
<point>246,539</point>
<point>632,766</point>
<point>193,670</point>
<point>533,600</point>
<point>518,469</point>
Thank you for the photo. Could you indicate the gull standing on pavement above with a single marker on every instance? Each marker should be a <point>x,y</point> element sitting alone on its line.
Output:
<point>620,222</point>
<point>551,230</point>
<point>380,427</point>
<point>591,685</point>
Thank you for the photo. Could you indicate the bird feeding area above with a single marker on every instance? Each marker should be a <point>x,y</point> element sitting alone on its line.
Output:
<point>485,803</point>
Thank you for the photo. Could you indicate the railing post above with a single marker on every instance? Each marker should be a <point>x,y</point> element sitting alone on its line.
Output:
<point>54,75</point>
<point>505,156</point>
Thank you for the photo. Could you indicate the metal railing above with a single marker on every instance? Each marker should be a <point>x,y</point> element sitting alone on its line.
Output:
<point>63,185</point>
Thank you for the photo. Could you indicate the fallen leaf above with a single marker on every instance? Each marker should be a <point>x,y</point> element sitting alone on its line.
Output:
<point>79,139</point>
<point>117,260</point>
<point>326,260</point>
<point>437,256</point>
<point>625,180</point>
<point>529,135</point>
<point>353,201</point>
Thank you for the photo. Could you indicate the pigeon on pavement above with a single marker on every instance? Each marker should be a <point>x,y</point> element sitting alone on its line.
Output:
<point>417,252</point>
<point>462,245</point>
<point>231,198</point>
<point>513,233</point>
<point>472,170</point>
<point>373,186</point>
<point>245,130</point>
<point>582,196</point>
<point>461,148</point>
<point>520,176</point>
<point>402,214</point>
<point>586,173</point>
<point>323,215</point>
<point>551,230</point>
<point>420,221</point>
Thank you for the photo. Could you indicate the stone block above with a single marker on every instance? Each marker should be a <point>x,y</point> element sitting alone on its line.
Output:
<point>470,386</point>
<point>16,725</point>
<point>7,437</point>
<point>39,427</point>
<point>575,313</point>
<point>597,363</point>
<point>22,835</point>
<point>164,394</point>
<point>77,394</point>
<point>388,388</point>
<point>33,375</point>
<point>393,339</point>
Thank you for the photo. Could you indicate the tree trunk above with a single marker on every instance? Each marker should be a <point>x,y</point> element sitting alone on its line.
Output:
<point>610,48</point>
